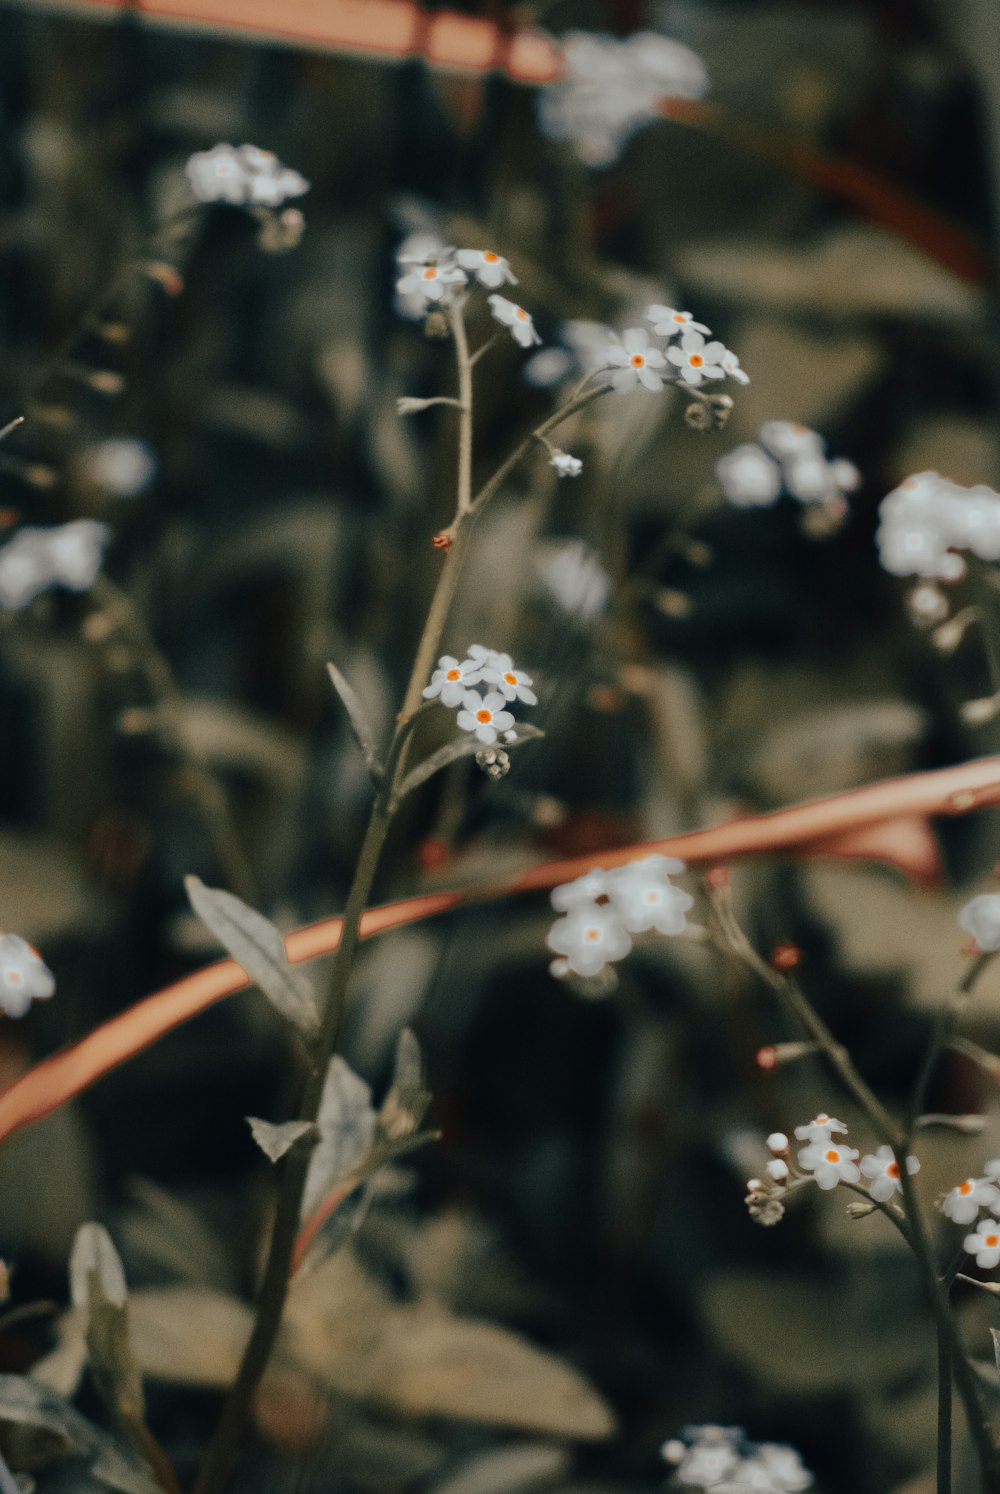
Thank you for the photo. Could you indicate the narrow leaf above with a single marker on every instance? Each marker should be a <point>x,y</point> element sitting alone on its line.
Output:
<point>346,1123</point>
<point>98,1290</point>
<point>360,724</point>
<point>274,1141</point>
<point>466,746</point>
<point>406,1103</point>
<point>93,1254</point>
<point>257,945</point>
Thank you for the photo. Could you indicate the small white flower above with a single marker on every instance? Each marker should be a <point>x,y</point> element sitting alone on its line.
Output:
<point>820,1129</point>
<point>217,175</point>
<point>581,893</point>
<point>777,1142</point>
<point>669,322</point>
<point>808,478</point>
<point>635,361</point>
<point>830,1164</point>
<point>697,360</point>
<point>512,683</point>
<point>588,938</point>
<point>786,438</point>
<point>36,559</point>
<point>785,1467</point>
<point>522,328</point>
<point>429,285</point>
<point>451,679</point>
<point>489,268</point>
<point>707,1464</point>
<point>731,364</point>
<point>484,717</point>
<point>981,919</point>
<point>566,465</point>
<point>985,1245</point>
<point>749,477</point>
<point>243,176</point>
<point>121,466</point>
<point>883,1171</point>
<point>992,1169</point>
<point>777,1170</point>
<point>75,553</point>
<point>846,477</point>
<point>24,976</point>
<point>963,1203</point>
<point>643,898</point>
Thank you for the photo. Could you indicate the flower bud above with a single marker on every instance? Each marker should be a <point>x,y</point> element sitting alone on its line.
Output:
<point>777,1170</point>
<point>777,1142</point>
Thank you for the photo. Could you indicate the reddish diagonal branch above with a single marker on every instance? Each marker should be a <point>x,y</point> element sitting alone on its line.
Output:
<point>819,825</point>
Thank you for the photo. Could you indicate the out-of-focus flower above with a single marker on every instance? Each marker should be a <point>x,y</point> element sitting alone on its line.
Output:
<point>581,892</point>
<point>777,1170</point>
<point>644,898</point>
<point>785,1466</point>
<point>522,328</point>
<point>566,465</point>
<point>984,1244</point>
<point>821,1129</point>
<point>120,466</point>
<point>243,175</point>
<point>707,1464</point>
<point>927,519</point>
<point>610,89</point>
<point>588,938</point>
<point>981,919</point>
<point>572,573</point>
<point>963,1203</point>
<point>882,1170</point>
<point>484,716</point>
<point>452,679</point>
<point>429,285</point>
<point>635,361</point>
<point>36,559</point>
<point>24,976</point>
<point>489,268</point>
<point>512,683</point>
<point>830,1164</point>
<point>697,360</point>
<point>749,477</point>
<point>786,438</point>
<point>667,321</point>
<point>731,365</point>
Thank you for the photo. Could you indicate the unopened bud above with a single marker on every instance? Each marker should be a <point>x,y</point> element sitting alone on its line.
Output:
<point>436,326</point>
<point>860,1210</point>
<point>927,605</point>
<point>409,405</point>
<point>698,416</point>
<point>966,1125</point>
<point>717,876</point>
<point>978,712</point>
<point>785,956</point>
<point>280,232</point>
<point>777,1142</point>
<point>673,1451</point>
<point>777,1170</point>
<point>773,1054</point>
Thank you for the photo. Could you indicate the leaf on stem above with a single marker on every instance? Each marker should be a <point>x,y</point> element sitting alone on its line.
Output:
<point>406,1103</point>
<point>466,746</point>
<point>360,725</point>
<point>346,1125</point>
<point>99,1292</point>
<point>256,944</point>
<point>41,1428</point>
<point>274,1141</point>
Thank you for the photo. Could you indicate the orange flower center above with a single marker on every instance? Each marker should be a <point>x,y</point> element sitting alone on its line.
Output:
<point>521,314</point>
<point>637,360</point>
<point>430,273</point>
<point>696,360</point>
<point>453,674</point>
<point>965,1188</point>
<point>892,1170</point>
<point>832,1156</point>
<point>511,679</point>
<point>679,317</point>
<point>484,716</point>
<point>990,1240</point>
<point>490,257</point>
<point>592,936</point>
<point>13,977</point>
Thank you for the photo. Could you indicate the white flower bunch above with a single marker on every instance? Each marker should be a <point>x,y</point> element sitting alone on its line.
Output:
<point>825,1162</point>
<point>610,88</point>
<point>723,1460</point>
<point>434,273</point>
<point>24,976</point>
<point>604,908</point>
<point>243,175</point>
<point>690,361</point>
<point>790,459</point>
<point>486,716</point>
<point>36,559</point>
<point>962,1205</point>
<point>927,519</point>
<point>981,919</point>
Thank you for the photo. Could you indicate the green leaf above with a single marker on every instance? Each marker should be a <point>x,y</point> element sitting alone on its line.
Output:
<point>360,724</point>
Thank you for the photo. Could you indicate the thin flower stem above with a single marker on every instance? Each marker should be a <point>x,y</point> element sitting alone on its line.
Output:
<point>944,1397</point>
<point>480,352</point>
<point>500,476</point>
<point>464,363</point>
<point>940,1037</point>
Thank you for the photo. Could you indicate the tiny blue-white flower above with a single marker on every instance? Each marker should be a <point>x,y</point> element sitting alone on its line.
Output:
<point>485,716</point>
<point>588,938</point>
<point>519,321</point>
<point>451,679</point>
<point>489,268</point>
<point>984,1244</point>
<point>24,976</point>
<point>981,919</point>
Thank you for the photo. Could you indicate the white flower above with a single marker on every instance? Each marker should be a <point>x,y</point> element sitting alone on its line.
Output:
<point>522,328</point>
<point>75,553</point>
<point>574,576</point>
<point>643,897</point>
<point>244,176</point>
<point>883,1171</point>
<point>749,477</point>
<point>36,559</point>
<point>985,1245</point>
<point>830,1164</point>
<point>483,655</point>
<point>846,477</point>
<point>669,322</point>
<point>512,683</point>
<point>581,893</point>
<point>785,1466</point>
<point>963,1203</point>
<point>807,478</point>
<point>786,438</point>
<point>566,465</point>
<point>485,717</point>
<point>24,977</point>
<point>707,1464</point>
<point>777,1142</point>
<point>731,364</point>
<point>428,285</point>
<point>588,938</point>
<point>777,1170</point>
<point>451,680</point>
<point>820,1129</point>
<point>981,919</point>
<point>696,359</point>
<point>489,268</point>
<point>992,1169</point>
<point>121,466</point>
<point>635,360</point>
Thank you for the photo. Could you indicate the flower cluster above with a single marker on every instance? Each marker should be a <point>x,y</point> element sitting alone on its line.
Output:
<point>609,89</point>
<point>604,908</point>
<point>689,361</point>
<point>962,1205</point>
<point>927,519</point>
<point>434,273</point>
<point>244,176</point>
<point>723,1460</point>
<point>981,919</point>
<point>486,716</point>
<point>24,976</point>
<point>825,1161</point>
<point>788,458</point>
<point>36,559</point>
